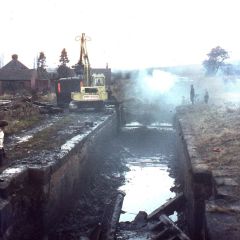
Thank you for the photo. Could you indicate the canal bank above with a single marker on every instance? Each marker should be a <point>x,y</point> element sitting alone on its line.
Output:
<point>41,185</point>
<point>208,147</point>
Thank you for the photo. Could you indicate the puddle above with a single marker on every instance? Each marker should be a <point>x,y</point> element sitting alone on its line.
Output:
<point>23,139</point>
<point>26,135</point>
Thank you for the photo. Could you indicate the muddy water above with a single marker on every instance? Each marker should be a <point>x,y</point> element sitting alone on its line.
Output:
<point>149,153</point>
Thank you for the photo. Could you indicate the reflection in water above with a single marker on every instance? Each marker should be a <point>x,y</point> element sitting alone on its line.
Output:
<point>147,187</point>
<point>135,124</point>
<point>155,125</point>
<point>148,151</point>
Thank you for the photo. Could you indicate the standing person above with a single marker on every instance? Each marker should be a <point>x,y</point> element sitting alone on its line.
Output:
<point>3,124</point>
<point>206,97</point>
<point>192,94</point>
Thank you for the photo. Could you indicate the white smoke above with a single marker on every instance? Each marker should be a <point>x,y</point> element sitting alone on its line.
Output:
<point>152,84</point>
<point>161,88</point>
<point>159,82</point>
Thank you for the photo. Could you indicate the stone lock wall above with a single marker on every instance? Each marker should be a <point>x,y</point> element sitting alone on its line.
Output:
<point>197,182</point>
<point>34,198</point>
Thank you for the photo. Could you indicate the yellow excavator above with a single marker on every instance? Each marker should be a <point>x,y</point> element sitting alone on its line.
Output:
<point>92,90</point>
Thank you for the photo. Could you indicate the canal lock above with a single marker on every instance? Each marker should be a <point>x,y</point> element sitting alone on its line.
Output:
<point>139,162</point>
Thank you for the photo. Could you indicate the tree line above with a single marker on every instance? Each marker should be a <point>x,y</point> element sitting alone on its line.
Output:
<point>63,70</point>
<point>214,62</point>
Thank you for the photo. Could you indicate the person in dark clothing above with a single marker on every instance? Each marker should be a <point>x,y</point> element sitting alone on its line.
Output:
<point>192,94</point>
<point>206,97</point>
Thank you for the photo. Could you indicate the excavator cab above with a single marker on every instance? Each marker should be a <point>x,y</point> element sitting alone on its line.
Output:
<point>98,79</point>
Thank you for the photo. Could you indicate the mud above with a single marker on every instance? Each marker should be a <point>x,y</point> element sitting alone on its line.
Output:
<point>49,139</point>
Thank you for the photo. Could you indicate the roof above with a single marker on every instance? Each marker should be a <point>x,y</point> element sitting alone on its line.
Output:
<point>16,71</point>
<point>14,64</point>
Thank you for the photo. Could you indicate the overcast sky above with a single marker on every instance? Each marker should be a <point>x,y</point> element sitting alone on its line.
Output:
<point>124,33</point>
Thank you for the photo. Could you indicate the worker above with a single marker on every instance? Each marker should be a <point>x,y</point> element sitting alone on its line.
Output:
<point>206,97</point>
<point>3,124</point>
<point>192,94</point>
<point>98,82</point>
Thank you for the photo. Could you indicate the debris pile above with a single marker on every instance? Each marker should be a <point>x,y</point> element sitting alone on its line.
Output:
<point>22,112</point>
<point>156,225</point>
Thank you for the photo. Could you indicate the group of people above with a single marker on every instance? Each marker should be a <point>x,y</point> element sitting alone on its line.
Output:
<point>193,95</point>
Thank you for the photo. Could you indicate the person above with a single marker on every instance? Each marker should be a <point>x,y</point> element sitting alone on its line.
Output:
<point>3,124</point>
<point>192,94</point>
<point>98,83</point>
<point>206,97</point>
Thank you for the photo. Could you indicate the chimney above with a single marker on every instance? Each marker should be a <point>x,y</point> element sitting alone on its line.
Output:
<point>14,57</point>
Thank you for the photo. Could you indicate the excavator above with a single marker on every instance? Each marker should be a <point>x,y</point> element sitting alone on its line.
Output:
<point>92,90</point>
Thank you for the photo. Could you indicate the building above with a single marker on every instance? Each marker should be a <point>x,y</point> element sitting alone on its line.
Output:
<point>15,77</point>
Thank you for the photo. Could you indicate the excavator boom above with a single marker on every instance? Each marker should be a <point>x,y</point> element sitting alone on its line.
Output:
<point>93,88</point>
